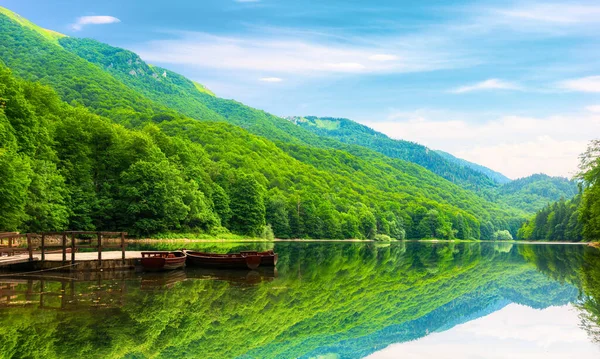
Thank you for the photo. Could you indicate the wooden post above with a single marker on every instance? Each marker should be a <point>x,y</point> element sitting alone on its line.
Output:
<point>43,247</point>
<point>29,247</point>
<point>99,250</point>
<point>122,248</point>
<point>64,247</point>
<point>10,245</point>
<point>72,248</point>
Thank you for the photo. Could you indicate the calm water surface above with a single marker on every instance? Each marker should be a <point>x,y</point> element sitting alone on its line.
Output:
<point>324,300</point>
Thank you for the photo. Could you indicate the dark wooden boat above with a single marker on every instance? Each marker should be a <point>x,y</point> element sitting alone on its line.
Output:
<point>267,258</point>
<point>163,260</point>
<point>245,260</point>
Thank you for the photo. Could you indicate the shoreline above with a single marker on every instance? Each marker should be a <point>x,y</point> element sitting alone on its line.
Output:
<point>251,240</point>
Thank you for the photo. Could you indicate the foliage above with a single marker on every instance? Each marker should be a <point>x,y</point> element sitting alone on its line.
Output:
<point>534,192</point>
<point>503,236</point>
<point>577,219</point>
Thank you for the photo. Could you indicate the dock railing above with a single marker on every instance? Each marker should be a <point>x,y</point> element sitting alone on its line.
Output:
<point>38,242</point>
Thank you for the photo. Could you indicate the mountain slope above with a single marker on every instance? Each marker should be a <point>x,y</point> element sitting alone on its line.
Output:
<point>348,131</point>
<point>534,192</point>
<point>495,176</point>
<point>365,192</point>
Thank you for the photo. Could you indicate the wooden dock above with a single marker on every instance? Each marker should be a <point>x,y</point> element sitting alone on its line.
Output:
<point>61,251</point>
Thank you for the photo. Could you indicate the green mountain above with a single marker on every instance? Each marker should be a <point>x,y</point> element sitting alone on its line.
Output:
<point>495,176</point>
<point>536,191</point>
<point>351,132</point>
<point>143,149</point>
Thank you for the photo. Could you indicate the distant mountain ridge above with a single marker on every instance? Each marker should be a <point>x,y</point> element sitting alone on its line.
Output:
<point>494,175</point>
<point>351,132</point>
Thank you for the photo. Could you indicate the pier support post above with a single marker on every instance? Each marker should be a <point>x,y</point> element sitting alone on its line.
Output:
<point>64,248</point>
<point>29,247</point>
<point>99,250</point>
<point>43,247</point>
<point>72,249</point>
<point>122,248</point>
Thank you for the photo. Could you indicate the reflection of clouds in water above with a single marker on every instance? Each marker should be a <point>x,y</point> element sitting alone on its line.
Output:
<point>515,331</point>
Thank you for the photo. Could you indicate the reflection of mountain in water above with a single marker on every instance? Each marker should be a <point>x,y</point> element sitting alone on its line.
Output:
<point>481,303</point>
<point>348,299</point>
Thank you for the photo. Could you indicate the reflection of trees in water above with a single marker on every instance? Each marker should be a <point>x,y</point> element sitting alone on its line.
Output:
<point>324,294</point>
<point>579,265</point>
<point>590,306</point>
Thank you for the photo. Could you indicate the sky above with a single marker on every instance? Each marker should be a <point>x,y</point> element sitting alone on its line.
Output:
<point>512,85</point>
<point>516,331</point>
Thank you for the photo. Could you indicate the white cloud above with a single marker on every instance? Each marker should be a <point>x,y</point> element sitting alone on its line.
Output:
<point>584,84</point>
<point>383,57</point>
<point>593,108</point>
<point>93,20</point>
<point>270,79</point>
<point>565,14</point>
<point>491,84</point>
<point>300,56</point>
<point>514,145</point>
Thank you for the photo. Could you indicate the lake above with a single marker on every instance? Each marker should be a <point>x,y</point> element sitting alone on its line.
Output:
<point>324,300</point>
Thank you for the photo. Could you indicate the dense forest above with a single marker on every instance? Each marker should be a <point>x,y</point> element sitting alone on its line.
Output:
<point>576,219</point>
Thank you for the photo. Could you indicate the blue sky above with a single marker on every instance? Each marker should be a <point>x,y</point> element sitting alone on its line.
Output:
<point>511,85</point>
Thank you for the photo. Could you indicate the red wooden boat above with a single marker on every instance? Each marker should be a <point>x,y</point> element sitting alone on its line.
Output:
<point>267,258</point>
<point>163,260</point>
<point>244,260</point>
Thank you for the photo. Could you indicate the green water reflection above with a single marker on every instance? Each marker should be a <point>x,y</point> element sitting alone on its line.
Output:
<point>343,300</point>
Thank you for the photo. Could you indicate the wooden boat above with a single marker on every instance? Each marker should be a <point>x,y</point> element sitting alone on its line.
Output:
<point>267,258</point>
<point>244,260</point>
<point>163,260</point>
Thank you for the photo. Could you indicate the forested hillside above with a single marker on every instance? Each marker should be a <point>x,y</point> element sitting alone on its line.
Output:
<point>351,132</point>
<point>494,175</point>
<point>143,166</point>
<point>577,219</point>
<point>528,194</point>
<point>536,191</point>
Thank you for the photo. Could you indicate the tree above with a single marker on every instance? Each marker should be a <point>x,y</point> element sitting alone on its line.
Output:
<point>151,198</point>
<point>590,174</point>
<point>247,206</point>
<point>277,214</point>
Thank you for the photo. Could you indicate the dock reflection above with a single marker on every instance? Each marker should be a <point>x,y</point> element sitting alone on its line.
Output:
<point>84,290</point>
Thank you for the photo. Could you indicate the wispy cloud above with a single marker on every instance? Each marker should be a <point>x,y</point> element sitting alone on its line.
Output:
<point>271,79</point>
<point>491,84</point>
<point>584,84</point>
<point>554,13</point>
<point>383,57</point>
<point>93,20</point>
<point>297,56</point>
